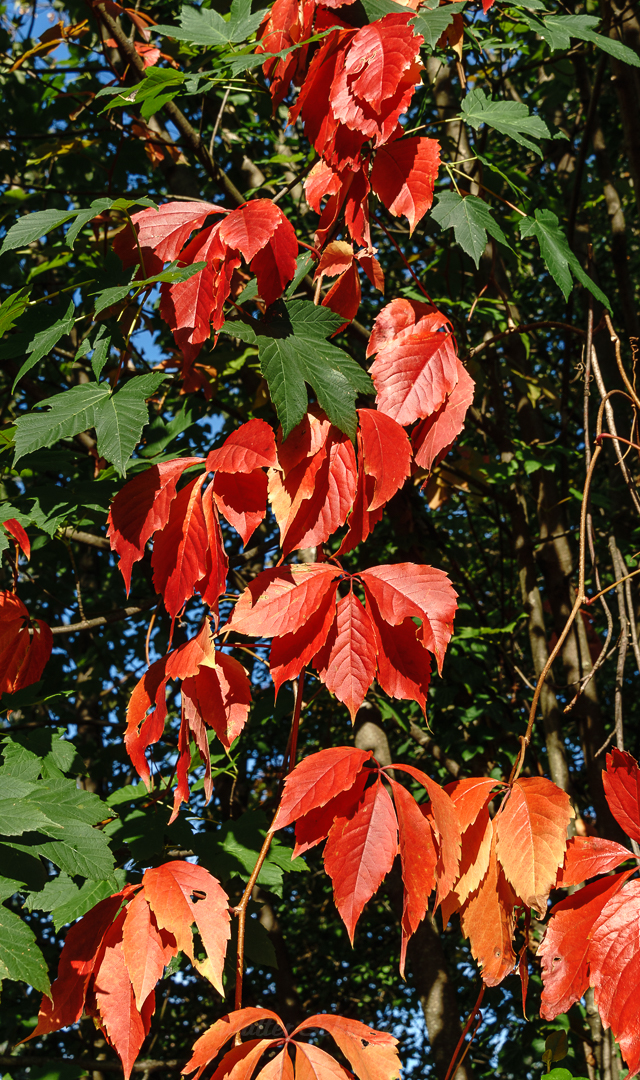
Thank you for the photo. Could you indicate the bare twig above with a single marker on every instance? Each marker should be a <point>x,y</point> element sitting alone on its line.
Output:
<point>103,620</point>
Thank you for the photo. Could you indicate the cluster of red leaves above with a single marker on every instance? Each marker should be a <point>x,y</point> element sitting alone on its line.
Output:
<point>341,795</point>
<point>347,643</point>
<point>593,937</point>
<point>25,645</point>
<point>188,551</point>
<point>372,1054</point>
<point>114,956</point>
<point>481,868</point>
<point>215,694</point>
<point>257,232</point>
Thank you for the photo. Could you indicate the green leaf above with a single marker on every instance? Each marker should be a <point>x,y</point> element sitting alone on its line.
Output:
<point>558,256</point>
<point>471,220</point>
<point>18,817</point>
<point>432,24</point>
<point>44,341</point>
<point>80,850</point>
<point>33,226</point>
<point>12,308</point>
<point>20,956</point>
<point>120,418</point>
<point>19,762</point>
<point>293,351</point>
<point>204,26</point>
<point>557,31</point>
<point>84,216</point>
<point>66,902</point>
<point>66,415</point>
<point>67,804</point>
<point>377,9</point>
<point>101,348</point>
<point>508,117</point>
<point>304,266</point>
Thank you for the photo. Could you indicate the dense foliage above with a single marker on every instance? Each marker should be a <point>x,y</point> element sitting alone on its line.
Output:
<point>215,425</point>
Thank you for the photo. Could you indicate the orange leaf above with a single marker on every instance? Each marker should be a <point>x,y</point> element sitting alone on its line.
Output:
<point>531,837</point>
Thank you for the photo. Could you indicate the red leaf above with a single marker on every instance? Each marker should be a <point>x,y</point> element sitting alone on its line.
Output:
<point>125,1027</point>
<point>317,780</point>
<point>614,960</point>
<point>141,508</point>
<point>142,730</point>
<point>224,697</point>
<point>375,83</point>
<point>487,919</point>
<point>344,296</point>
<point>565,947</point>
<point>291,652</point>
<point>251,226</point>
<point>475,855</point>
<point>433,437</point>
<point>531,838</point>
<point>14,528</point>
<point>78,958</point>
<point>161,233</point>
<point>416,366</point>
<point>242,499</point>
<point>470,796</point>
<point>313,493</point>
<point>251,446</point>
<point>403,177</point>
<point>386,454</point>
<point>179,557</point>
<point>315,826</point>
<point>280,600</point>
<point>361,521</point>
<point>359,853</point>
<point>312,103</point>
<point>622,787</point>
<point>587,856</point>
<point>279,1068</point>
<point>336,257</point>
<point>372,1054</point>
<point>346,664</point>
<point>211,587</point>
<point>169,890</point>
<point>419,857</point>
<point>288,23</point>
<point>406,590</point>
<point>209,1045</point>
<point>312,1063</point>
<point>442,815</point>
<point>275,264</point>
<point>22,655</point>
<point>145,949</point>
<point>190,308</point>
<point>403,665</point>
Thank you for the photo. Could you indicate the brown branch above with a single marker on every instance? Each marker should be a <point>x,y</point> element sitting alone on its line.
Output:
<point>103,620</point>
<point>523,330</point>
<point>86,538</point>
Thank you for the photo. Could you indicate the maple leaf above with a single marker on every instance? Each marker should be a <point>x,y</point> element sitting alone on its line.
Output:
<point>403,177</point>
<point>188,551</point>
<point>433,437</point>
<point>215,692</point>
<point>416,365</point>
<point>23,655</point>
<point>344,648</point>
<point>372,1054</point>
<point>114,956</point>
<point>340,795</point>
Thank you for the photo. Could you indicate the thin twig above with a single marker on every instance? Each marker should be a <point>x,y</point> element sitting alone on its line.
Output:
<point>103,620</point>
<point>623,644</point>
<point>218,119</point>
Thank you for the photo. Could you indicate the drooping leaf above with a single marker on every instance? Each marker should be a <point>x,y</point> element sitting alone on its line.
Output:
<point>558,257</point>
<point>346,664</point>
<point>621,783</point>
<point>120,418</point>
<point>432,437</point>
<point>44,341</point>
<point>20,957</point>
<point>487,919</point>
<point>403,177</point>
<point>587,856</point>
